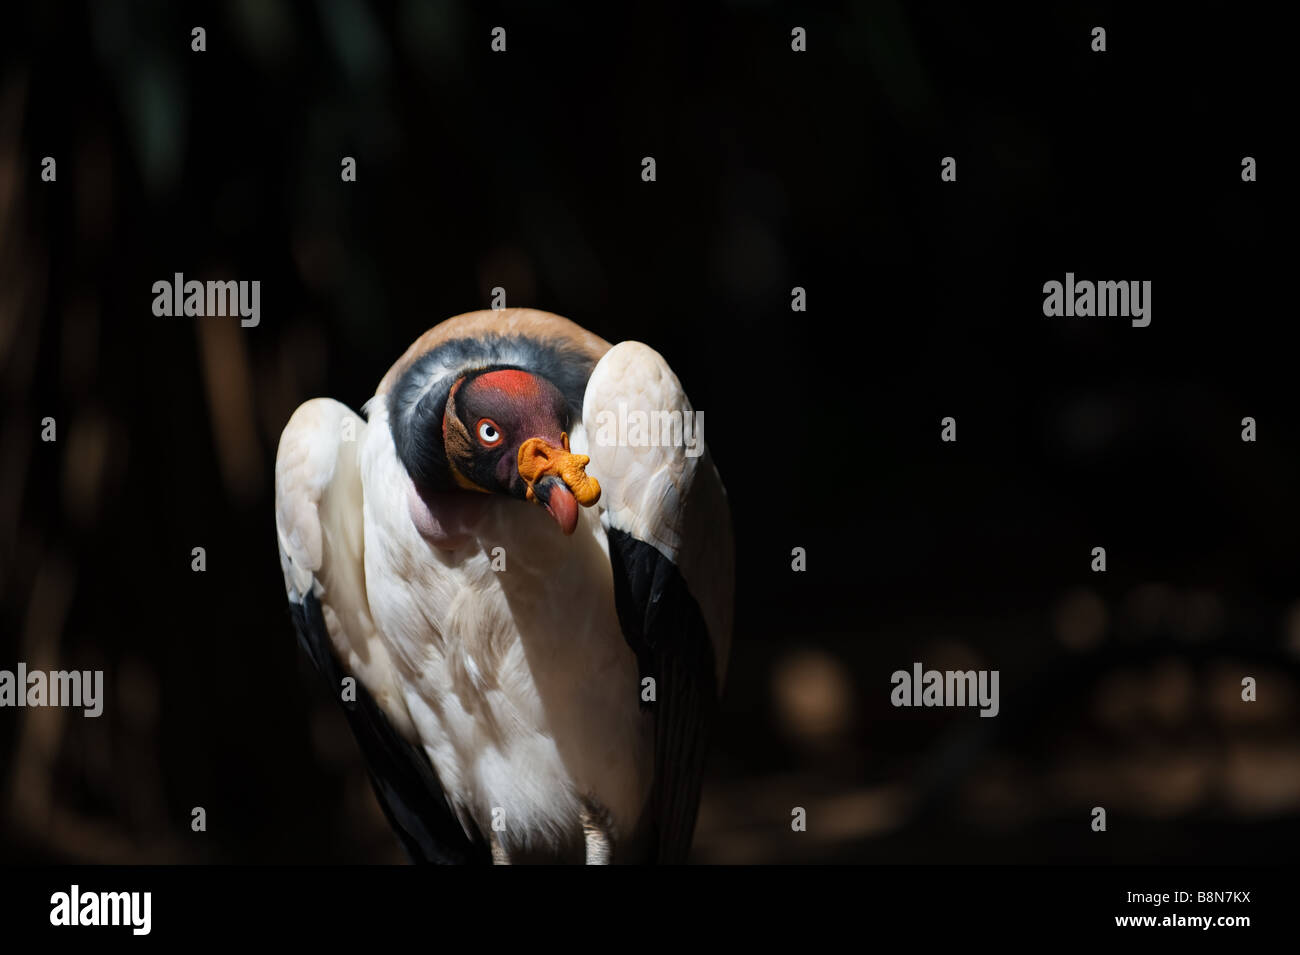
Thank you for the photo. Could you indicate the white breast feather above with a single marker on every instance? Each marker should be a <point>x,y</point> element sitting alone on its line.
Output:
<point>519,683</point>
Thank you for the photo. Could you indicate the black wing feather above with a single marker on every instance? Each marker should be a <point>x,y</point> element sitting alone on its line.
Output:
<point>403,778</point>
<point>663,625</point>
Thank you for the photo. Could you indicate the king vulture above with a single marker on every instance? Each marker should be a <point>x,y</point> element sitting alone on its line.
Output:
<point>536,622</point>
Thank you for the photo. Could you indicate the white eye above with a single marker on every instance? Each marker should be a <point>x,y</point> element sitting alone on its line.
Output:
<point>488,433</point>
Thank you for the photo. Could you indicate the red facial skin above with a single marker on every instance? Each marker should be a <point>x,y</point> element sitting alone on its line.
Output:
<point>518,406</point>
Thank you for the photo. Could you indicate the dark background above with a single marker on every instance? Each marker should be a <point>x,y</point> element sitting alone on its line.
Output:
<point>775,169</point>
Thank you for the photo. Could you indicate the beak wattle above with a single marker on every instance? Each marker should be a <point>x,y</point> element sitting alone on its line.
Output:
<point>557,479</point>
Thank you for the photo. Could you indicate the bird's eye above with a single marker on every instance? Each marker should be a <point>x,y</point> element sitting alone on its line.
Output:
<point>488,432</point>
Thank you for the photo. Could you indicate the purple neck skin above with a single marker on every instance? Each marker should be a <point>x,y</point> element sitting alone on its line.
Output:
<point>446,519</point>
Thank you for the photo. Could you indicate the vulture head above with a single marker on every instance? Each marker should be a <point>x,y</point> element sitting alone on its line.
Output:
<point>475,417</point>
<point>503,432</point>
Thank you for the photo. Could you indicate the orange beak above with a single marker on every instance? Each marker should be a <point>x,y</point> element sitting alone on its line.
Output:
<point>557,479</point>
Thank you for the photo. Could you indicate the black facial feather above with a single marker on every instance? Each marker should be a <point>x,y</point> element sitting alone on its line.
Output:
<point>416,408</point>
